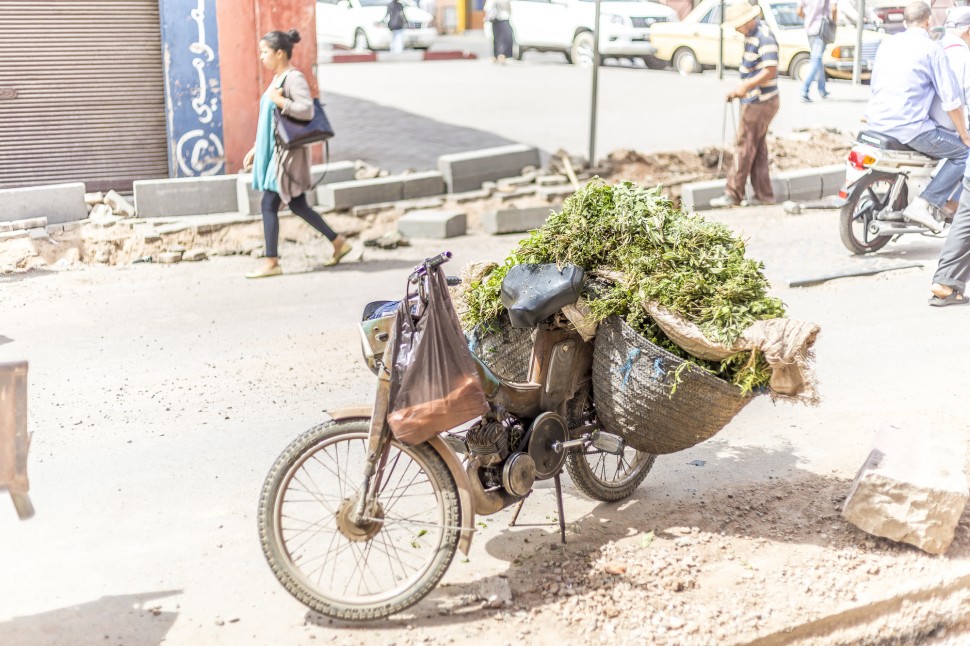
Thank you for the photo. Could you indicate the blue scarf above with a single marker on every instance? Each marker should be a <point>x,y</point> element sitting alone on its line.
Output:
<point>264,165</point>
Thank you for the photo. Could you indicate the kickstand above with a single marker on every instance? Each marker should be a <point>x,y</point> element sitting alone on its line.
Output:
<point>518,510</point>
<point>562,519</point>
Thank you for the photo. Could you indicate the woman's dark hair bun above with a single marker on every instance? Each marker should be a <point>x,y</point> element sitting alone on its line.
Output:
<point>294,36</point>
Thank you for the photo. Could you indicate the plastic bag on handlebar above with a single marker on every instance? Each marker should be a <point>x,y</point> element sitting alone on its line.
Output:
<point>434,382</point>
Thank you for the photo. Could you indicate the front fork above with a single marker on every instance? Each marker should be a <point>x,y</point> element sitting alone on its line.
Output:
<point>378,442</point>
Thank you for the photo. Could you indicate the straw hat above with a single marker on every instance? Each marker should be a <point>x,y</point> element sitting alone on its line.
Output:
<point>738,13</point>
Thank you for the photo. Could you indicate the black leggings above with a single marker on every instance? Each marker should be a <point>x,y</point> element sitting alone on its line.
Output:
<point>271,220</point>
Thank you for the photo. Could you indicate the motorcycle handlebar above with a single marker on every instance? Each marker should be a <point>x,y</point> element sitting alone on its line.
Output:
<point>430,263</point>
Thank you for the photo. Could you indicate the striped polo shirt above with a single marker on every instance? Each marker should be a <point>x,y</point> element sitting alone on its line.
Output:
<point>760,51</point>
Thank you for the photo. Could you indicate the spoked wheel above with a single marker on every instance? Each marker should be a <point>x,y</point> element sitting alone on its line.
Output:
<point>869,196</point>
<point>599,475</point>
<point>368,570</point>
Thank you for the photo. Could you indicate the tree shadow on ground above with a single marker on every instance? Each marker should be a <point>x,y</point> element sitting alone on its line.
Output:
<point>131,619</point>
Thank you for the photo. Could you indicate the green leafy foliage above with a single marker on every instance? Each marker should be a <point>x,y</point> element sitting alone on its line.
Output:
<point>660,253</point>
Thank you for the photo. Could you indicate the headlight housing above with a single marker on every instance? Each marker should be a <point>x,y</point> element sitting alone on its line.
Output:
<point>614,18</point>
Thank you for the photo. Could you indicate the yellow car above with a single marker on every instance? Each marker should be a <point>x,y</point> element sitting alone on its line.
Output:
<point>692,44</point>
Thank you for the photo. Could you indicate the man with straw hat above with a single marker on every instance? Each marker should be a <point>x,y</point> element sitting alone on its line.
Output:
<point>758,91</point>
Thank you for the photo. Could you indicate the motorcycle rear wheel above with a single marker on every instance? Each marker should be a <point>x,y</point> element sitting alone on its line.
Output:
<point>599,475</point>
<point>348,571</point>
<point>869,196</point>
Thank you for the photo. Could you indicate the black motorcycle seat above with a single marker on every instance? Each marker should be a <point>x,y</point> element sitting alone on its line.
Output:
<point>533,293</point>
<point>880,140</point>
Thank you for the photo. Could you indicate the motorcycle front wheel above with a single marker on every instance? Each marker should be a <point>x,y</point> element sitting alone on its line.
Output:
<point>603,476</point>
<point>869,196</point>
<point>357,571</point>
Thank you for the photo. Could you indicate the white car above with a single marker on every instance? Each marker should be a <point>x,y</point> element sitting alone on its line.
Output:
<point>567,26</point>
<point>360,24</point>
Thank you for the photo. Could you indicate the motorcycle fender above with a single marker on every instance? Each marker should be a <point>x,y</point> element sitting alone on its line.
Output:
<point>464,491</point>
<point>452,461</point>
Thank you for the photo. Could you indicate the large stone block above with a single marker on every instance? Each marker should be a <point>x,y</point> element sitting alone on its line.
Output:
<point>58,203</point>
<point>423,184</point>
<point>161,198</point>
<point>344,195</point>
<point>432,224</point>
<point>466,171</point>
<point>514,220</point>
<point>912,488</point>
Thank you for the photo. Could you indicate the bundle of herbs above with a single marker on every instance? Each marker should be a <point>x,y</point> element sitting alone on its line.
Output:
<point>639,247</point>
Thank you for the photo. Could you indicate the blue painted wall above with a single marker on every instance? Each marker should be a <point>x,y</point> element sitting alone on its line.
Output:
<point>193,93</point>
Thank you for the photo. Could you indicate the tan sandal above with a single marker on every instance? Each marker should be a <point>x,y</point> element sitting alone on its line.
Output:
<point>276,270</point>
<point>337,257</point>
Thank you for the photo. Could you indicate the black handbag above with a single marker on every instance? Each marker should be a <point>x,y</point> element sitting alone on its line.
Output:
<point>291,133</point>
<point>827,31</point>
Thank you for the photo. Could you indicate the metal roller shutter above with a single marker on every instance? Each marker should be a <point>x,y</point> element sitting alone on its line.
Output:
<point>81,93</point>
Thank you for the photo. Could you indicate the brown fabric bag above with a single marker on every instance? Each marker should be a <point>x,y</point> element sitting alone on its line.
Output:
<point>434,383</point>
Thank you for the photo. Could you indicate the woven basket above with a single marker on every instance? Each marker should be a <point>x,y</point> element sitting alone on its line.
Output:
<point>505,350</point>
<point>632,379</point>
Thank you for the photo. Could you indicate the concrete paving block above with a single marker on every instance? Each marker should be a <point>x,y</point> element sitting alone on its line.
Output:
<point>514,220</point>
<point>38,233</point>
<point>247,198</point>
<point>551,180</point>
<point>471,196</point>
<point>833,177</point>
<point>159,198</point>
<point>29,223</point>
<point>696,196</point>
<point>59,203</point>
<point>432,224</point>
<point>555,193</point>
<point>12,235</point>
<point>912,488</point>
<point>468,170</point>
<point>803,184</point>
<point>342,171</point>
<point>522,191</point>
<point>424,184</point>
<point>779,185</point>
<point>340,196</point>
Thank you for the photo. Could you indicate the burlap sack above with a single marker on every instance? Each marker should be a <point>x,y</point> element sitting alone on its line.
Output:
<point>785,343</point>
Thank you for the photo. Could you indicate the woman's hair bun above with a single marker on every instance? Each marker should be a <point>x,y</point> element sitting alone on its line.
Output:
<point>294,36</point>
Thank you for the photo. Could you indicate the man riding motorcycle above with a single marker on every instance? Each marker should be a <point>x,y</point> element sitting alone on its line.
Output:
<point>909,72</point>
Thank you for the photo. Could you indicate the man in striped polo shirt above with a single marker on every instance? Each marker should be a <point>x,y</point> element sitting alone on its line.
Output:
<point>758,91</point>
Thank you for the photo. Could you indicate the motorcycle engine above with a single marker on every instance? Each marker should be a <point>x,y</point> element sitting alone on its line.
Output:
<point>488,441</point>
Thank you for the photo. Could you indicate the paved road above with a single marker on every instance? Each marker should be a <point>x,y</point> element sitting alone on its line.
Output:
<point>160,396</point>
<point>543,101</point>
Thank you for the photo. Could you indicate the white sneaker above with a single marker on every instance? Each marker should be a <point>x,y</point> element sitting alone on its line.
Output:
<point>921,212</point>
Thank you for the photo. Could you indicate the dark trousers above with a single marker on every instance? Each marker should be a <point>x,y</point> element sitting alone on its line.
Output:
<point>271,220</point>
<point>502,38</point>
<point>953,269</point>
<point>751,156</point>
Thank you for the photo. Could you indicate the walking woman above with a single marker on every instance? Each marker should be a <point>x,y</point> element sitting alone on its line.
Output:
<point>499,12</point>
<point>284,175</point>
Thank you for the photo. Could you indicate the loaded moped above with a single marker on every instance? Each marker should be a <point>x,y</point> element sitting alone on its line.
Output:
<point>358,525</point>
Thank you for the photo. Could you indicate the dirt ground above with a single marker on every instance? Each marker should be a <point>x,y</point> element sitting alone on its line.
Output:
<point>806,149</point>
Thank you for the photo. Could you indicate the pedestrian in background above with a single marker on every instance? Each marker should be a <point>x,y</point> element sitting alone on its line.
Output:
<point>396,22</point>
<point>499,13</point>
<point>758,92</point>
<point>953,270</point>
<point>284,175</point>
<point>815,13</point>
